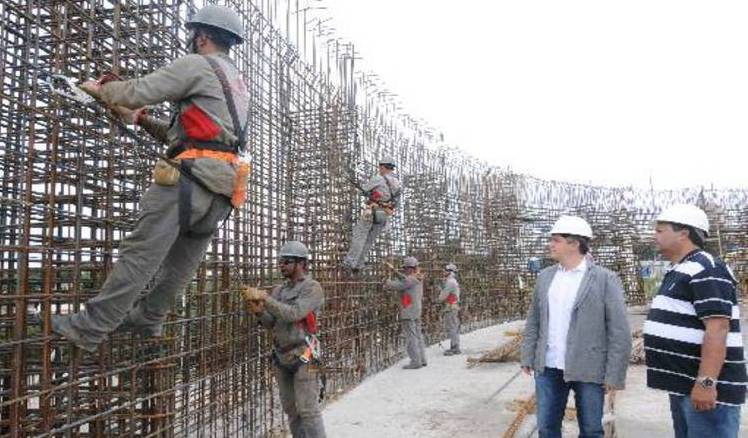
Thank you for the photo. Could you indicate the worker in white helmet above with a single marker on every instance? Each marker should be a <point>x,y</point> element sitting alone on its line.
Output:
<point>692,333</point>
<point>577,334</point>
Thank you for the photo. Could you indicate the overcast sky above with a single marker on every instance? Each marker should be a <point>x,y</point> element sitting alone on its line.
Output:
<point>608,92</point>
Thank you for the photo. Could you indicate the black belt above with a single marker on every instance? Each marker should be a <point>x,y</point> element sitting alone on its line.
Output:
<point>288,348</point>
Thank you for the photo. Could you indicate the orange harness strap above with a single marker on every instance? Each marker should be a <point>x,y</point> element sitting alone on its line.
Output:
<point>239,194</point>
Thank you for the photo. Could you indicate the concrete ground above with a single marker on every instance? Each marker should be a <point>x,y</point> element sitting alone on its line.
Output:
<point>447,399</point>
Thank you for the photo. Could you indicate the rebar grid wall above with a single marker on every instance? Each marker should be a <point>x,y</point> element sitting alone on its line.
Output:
<point>71,180</point>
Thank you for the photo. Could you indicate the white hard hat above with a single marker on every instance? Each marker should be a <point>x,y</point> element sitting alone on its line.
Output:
<point>221,17</point>
<point>573,225</point>
<point>410,262</point>
<point>388,161</point>
<point>294,249</point>
<point>685,214</point>
<point>451,267</point>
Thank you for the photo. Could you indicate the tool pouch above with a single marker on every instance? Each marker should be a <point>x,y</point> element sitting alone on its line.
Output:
<point>165,174</point>
<point>290,360</point>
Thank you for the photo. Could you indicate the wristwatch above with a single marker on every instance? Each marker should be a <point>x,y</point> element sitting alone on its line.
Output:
<point>706,382</point>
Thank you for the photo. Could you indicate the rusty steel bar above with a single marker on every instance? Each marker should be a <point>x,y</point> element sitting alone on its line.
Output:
<point>70,185</point>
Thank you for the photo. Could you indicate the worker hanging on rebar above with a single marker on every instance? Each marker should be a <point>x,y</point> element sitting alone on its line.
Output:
<point>409,285</point>
<point>291,313</point>
<point>193,192</point>
<point>449,296</point>
<point>577,333</point>
<point>383,196</point>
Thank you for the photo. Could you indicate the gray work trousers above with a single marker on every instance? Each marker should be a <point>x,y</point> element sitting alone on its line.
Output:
<point>452,326</point>
<point>299,394</point>
<point>365,233</point>
<point>156,241</point>
<point>414,343</point>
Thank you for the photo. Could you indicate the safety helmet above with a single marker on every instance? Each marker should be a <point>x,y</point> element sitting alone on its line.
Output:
<point>410,262</point>
<point>451,268</point>
<point>573,225</point>
<point>220,17</point>
<point>294,249</point>
<point>685,214</point>
<point>387,161</point>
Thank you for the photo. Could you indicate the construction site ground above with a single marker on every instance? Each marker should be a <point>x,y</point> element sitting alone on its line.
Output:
<point>448,399</point>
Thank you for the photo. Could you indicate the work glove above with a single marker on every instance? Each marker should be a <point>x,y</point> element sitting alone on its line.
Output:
<point>94,87</point>
<point>251,294</point>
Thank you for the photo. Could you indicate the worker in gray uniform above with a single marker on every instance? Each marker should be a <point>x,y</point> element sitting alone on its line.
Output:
<point>383,197</point>
<point>409,285</point>
<point>194,190</point>
<point>290,312</point>
<point>449,296</point>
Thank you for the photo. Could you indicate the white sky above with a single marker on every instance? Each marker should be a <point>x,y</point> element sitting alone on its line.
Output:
<point>600,91</point>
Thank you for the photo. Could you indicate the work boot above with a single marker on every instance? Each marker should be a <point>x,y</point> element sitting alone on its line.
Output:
<point>135,323</point>
<point>62,327</point>
<point>412,366</point>
<point>452,351</point>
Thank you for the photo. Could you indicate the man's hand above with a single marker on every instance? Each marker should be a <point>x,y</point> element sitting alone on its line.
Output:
<point>610,388</point>
<point>93,88</point>
<point>126,114</point>
<point>256,306</point>
<point>527,370</point>
<point>253,294</point>
<point>703,399</point>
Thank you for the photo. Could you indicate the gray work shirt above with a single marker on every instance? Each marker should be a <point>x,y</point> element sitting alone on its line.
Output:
<point>411,295</point>
<point>451,287</point>
<point>389,192</point>
<point>287,306</point>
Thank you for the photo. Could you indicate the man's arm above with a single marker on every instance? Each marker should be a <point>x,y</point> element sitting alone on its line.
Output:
<point>450,287</point>
<point>713,353</point>
<point>267,320</point>
<point>156,127</point>
<point>619,333</point>
<point>713,297</point>
<point>370,185</point>
<point>530,336</point>
<point>396,285</point>
<point>308,301</point>
<point>172,83</point>
<point>714,348</point>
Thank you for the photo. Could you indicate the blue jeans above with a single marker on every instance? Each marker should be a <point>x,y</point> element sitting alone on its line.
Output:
<point>720,422</point>
<point>552,392</point>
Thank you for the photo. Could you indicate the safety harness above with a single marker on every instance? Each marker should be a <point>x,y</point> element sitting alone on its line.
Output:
<point>197,135</point>
<point>312,353</point>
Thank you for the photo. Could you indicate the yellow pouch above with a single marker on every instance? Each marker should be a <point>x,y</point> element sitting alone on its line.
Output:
<point>164,174</point>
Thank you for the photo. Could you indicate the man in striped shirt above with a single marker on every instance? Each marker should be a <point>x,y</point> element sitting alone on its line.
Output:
<point>692,338</point>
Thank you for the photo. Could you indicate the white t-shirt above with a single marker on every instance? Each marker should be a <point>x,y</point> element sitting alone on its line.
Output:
<point>561,296</point>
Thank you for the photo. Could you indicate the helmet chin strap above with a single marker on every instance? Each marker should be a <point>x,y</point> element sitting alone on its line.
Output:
<point>192,41</point>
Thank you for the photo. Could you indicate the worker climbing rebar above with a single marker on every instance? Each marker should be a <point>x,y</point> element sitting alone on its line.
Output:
<point>193,191</point>
<point>383,197</point>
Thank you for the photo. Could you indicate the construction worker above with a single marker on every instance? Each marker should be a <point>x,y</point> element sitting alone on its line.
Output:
<point>193,192</point>
<point>692,339</point>
<point>577,333</point>
<point>383,195</point>
<point>290,313</point>
<point>449,296</point>
<point>410,286</point>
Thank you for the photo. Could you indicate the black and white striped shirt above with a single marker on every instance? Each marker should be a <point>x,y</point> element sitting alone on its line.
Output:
<point>698,287</point>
